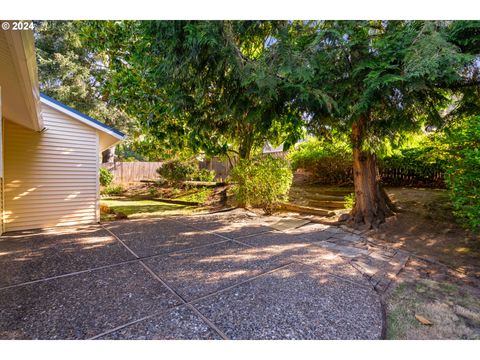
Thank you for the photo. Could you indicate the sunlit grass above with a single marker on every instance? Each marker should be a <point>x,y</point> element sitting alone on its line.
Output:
<point>200,196</point>
<point>136,209</point>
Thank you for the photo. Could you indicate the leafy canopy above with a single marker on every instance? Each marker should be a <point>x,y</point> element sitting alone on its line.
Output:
<point>206,85</point>
<point>72,74</point>
<point>399,75</point>
<point>228,86</point>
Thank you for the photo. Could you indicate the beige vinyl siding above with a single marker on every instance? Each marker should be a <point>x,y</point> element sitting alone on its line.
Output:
<point>50,177</point>
<point>2,225</point>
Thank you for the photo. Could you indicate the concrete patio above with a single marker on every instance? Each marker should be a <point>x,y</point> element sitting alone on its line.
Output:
<point>225,276</point>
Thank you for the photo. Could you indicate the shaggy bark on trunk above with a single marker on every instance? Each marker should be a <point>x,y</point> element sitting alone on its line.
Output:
<point>372,204</point>
<point>108,155</point>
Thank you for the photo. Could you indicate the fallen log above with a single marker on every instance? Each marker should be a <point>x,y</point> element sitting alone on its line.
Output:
<point>203,183</point>
<point>306,209</point>
<point>178,202</point>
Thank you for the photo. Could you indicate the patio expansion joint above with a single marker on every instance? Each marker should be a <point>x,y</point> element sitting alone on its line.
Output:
<point>158,313</point>
<point>256,234</point>
<point>339,276</point>
<point>203,230</point>
<point>223,236</point>
<point>121,241</point>
<point>167,252</point>
<point>189,304</point>
<point>177,295</point>
<point>137,259</point>
<point>184,302</point>
<point>69,274</point>
<point>241,243</point>
<point>241,283</point>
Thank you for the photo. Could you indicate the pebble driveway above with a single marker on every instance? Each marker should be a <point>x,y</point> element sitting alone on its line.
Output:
<point>222,276</point>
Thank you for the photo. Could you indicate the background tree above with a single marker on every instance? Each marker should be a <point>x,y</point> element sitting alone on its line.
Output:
<point>72,73</point>
<point>203,85</point>
<point>376,79</point>
<point>220,86</point>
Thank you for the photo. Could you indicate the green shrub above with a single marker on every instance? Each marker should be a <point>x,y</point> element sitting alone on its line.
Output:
<point>308,154</point>
<point>112,190</point>
<point>330,162</point>
<point>263,182</point>
<point>105,176</point>
<point>463,171</point>
<point>178,170</point>
<point>204,175</point>
<point>349,201</point>
<point>153,192</point>
<point>422,161</point>
<point>175,192</point>
<point>160,182</point>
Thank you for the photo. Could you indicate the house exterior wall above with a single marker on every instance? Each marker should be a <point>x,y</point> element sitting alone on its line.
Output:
<point>51,177</point>
<point>2,227</point>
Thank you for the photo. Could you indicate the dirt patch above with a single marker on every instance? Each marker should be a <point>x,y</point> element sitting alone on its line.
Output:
<point>440,282</point>
<point>426,227</point>
<point>424,224</point>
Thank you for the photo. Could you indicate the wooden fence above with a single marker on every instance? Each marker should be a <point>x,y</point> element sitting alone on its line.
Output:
<point>126,172</point>
<point>222,168</point>
<point>402,177</point>
<point>342,174</point>
<point>133,171</point>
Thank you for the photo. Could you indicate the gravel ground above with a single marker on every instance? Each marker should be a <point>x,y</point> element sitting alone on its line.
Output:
<point>296,302</point>
<point>227,276</point>
<point>31,257</point>
<point>180,323</point>
<point>81,306</point>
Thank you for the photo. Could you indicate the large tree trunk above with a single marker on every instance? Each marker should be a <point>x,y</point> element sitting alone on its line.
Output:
<point>108,155</point>
<point>245,150</point>
<point>372,204</point>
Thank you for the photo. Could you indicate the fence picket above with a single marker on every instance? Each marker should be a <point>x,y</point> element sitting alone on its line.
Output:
<point>134,171</point>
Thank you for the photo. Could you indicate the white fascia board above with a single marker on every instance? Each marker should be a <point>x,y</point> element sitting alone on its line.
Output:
<point>81,119</point>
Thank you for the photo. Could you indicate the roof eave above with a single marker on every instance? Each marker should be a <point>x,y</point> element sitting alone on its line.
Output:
<point>22,45</point>
<point>102,149</point>
<point>66,110</point>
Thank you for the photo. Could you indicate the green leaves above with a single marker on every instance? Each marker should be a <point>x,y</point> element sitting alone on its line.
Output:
<point>75,74</point>
<point>262,182</point>
<point>178,170</point>
<point>463,171</point>
<point>466,35</point>
<point>223,86</point>
<point>105,176</point>
<point>432,57</point>
<point>397,72</point>
<point>217,79</point>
